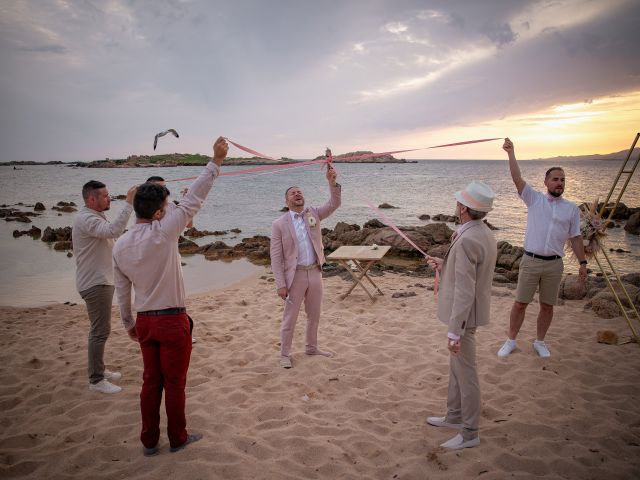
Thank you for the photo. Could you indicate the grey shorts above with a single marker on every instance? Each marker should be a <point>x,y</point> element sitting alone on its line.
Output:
<point>534,273</point>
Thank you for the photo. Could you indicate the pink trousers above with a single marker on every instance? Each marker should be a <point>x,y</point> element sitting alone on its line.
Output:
<point>307,287</point>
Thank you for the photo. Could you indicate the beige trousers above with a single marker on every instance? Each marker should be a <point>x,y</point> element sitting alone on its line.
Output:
<point>463,401</point>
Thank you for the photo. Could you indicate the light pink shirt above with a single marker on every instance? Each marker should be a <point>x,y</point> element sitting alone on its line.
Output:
<point>551,221</point>
<point>306,254</point>
<point>147,258</point>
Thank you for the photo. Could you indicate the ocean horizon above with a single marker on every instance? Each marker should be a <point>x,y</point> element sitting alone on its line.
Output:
<point>34,274</point>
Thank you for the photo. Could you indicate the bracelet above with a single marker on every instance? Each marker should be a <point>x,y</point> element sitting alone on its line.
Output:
<point>583,262</point>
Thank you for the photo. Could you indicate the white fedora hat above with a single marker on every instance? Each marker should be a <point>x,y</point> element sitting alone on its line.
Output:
<point>477,196</point>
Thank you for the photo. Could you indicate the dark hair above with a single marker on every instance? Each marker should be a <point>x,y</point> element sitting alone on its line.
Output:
<point>149,199</point>
<point>476,214</point>
<point>155,178</point>
<point>287,191</point>
<point>546,175</point>
<point>90,188</point>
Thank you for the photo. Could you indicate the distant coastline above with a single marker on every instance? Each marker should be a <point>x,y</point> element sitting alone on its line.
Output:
<point>195,159</point>
<point>189,159</point>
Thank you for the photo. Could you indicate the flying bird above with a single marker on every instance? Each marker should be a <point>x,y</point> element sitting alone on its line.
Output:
<point>162,134</point>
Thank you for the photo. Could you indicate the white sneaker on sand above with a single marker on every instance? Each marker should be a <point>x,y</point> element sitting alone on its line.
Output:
<point>541,349</point>
<point>285,362</point>
<point>103,386</point>
<point>193,340</point>
<point>109,375</point>
<point>458,442</point>
<point>442,422</point>
<point>508,347</point>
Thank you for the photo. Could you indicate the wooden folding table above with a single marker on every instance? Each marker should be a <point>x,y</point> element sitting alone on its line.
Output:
<point>363,257</point>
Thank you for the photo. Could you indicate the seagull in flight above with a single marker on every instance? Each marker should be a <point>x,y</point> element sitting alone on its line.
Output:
<point>162,134</point>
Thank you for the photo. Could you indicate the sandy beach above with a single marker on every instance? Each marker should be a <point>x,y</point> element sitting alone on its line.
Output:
<point>358,415</point>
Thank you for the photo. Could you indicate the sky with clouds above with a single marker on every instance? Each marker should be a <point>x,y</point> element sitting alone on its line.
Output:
<point>84,80</point>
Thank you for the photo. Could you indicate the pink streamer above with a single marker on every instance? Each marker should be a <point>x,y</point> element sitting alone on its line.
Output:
<point>248,150</point>
<point>325,160</point>
<point>387,220</point>
<point>263,168</point>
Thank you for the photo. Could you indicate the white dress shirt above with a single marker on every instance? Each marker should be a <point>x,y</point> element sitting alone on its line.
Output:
<point>551,221</point>
<point>147,258</point>
<point>306,254</point>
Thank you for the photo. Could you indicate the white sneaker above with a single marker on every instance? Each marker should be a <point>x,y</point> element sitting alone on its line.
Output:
<point>458,442</point>
<point>109,375</point>
<point>103,386</point>
<point>542,350</point>
<point>442,422</point>
<point>193,340</point>
<point>508,347</point>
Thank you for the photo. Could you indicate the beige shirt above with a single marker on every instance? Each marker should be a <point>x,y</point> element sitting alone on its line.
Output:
<point>147,258</point>
<point>93,239</point>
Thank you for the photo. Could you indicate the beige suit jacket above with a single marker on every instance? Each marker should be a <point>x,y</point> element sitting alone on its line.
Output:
<point>284,242</point>
<point>464,300</point>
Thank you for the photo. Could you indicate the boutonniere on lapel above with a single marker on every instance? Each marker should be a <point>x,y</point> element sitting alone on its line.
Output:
<point>311,220</point>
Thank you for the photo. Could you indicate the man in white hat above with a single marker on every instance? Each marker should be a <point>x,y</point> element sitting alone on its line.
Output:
<point>463,304</point>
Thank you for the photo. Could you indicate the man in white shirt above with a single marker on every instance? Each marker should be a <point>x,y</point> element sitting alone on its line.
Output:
<point>93,239</point>
<point>146,259</point>
<point>551,221</point>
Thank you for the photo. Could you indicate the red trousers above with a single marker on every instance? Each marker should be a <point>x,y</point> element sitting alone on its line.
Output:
<point>165,341</point>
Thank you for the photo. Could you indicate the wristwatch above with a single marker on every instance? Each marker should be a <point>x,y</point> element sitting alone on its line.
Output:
<point>583,262</point>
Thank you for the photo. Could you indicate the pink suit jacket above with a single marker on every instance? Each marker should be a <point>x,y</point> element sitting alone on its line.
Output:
<point>284,242</point>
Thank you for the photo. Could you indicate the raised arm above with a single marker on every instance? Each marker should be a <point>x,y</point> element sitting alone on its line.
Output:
<point>179,217</point>
<point>336,194</point>
<point>99,228</point>
<point>513,166</point>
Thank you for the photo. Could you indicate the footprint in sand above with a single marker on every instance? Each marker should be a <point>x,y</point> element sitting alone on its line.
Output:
<point>35,363</point>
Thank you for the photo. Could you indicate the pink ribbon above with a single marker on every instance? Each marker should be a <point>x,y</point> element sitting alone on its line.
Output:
<point>387,220</point>
<point>328,160</point>
<point>248,150</point>
<point>261,169</point>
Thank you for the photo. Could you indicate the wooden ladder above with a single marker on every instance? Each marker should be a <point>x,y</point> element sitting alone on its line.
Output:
<point>629,312</point>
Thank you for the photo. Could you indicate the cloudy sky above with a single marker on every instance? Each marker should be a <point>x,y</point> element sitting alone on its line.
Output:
<point>84,80</point>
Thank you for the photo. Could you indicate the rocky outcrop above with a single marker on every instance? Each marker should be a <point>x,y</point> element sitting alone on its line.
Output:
<point>373,223</point>
<point>633,224</point>
<point>38,207</point>
<point>622,211</point>
<point>193,232</point>
<point>34,232</point>
<point>60,246</point>
<point>62,234</point>
<point>67,207</point>
<point>441,217</point>
<point>344,158</point>
<point>386,205</point>
<point>15,215</point>
<point>255,249</point>
<point>426,237</point>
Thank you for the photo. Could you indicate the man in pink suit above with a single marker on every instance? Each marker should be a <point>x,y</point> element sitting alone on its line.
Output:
<point>297,255</point>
